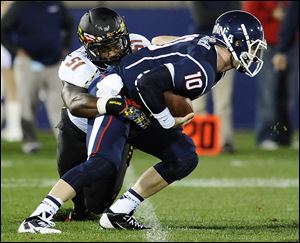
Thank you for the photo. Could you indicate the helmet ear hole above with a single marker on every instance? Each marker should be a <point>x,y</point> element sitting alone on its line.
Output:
<point>237,43</point>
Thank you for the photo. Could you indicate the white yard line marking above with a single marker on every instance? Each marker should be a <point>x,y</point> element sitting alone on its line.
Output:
<point>237,163</point>
<point>6,163</point>
<point>157,234</point>
<point>130,179</point>
<point>241,163</point>
<point>239,182</point>
<point>11,183</point>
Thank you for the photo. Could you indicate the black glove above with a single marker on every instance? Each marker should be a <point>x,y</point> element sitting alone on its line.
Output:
<point>115,106</point>
<point>129,110</point>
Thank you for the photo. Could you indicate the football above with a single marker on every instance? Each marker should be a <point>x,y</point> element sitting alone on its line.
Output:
<point>178,105</point>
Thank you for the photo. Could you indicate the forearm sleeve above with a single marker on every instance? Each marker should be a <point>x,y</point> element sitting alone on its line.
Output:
<point>151,86</point>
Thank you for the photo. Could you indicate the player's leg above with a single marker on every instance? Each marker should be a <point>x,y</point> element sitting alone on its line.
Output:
<point>28,85</point>
<point>222,99</point>
<point>177,152</point>
<point>107,139</point>
<point>53,101</point>
<point>101,194</point>
<point>265,121</point>
<point>286,95</point>
<point>12,108</point>
<point>71,151</point>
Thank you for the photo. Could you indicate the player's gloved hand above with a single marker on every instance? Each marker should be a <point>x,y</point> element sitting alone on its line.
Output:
<point>137,116</point>
<point>182,121</point>
<point>115,105</point>
<point>128,109</point>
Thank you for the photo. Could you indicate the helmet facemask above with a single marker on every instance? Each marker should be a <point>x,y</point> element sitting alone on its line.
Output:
<point>108,52</point>
<point>248,53</point>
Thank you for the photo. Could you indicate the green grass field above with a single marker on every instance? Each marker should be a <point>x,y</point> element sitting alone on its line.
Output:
<point>249,196</point>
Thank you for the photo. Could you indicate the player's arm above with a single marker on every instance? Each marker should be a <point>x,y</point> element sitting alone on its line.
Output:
<point>110,102</point>
<point>83,104</point>
<point>79,101</point>
<point>151,87</point>
<point>163,39</point>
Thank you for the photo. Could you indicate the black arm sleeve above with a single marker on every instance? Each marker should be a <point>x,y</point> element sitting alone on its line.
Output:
<point>289,27</point>
<point>151,86</point>
<point>9,23</point>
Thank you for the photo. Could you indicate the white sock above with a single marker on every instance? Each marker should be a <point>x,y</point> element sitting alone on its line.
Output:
<point>50,204</point>
<point>13,117</point>
<point>128,202</point>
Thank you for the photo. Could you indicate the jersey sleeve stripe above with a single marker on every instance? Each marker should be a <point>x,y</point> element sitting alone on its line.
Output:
<point>90,79</point>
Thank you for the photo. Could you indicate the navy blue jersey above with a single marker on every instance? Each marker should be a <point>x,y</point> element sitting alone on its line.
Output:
<point>193,58</point>
<point>194,73</point>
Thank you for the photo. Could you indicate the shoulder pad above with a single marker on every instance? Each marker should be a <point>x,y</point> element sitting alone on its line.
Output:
<point>138,41</point>
<point>77,69</point>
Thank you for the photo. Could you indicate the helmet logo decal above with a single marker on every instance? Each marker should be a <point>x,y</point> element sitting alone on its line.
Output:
<point>230,38</point>
<point>105,28</point>
<point>90,38</point>
<point>122,27</point>
<point>218,29</point>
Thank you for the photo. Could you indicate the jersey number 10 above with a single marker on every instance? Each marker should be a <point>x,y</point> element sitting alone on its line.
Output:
<point>193,81</point>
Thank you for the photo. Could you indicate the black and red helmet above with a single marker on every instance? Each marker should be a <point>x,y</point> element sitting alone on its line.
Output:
<point>104,35</point>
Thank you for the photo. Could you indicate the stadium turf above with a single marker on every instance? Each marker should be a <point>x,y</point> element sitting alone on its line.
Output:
<point>248,196</point>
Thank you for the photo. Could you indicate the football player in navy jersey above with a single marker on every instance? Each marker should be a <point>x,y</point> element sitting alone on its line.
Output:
<point>189,66</point>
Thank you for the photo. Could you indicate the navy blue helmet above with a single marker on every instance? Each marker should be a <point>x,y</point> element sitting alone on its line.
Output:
<point>243,35</point>
<point>104,35</point>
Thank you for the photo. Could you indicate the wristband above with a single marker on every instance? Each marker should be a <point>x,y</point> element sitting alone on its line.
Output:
<point>101,104</point>
<point>165,118</point>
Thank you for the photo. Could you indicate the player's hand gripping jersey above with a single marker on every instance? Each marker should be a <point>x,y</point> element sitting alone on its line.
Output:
<point>190,60</point>
<point>78,70</point>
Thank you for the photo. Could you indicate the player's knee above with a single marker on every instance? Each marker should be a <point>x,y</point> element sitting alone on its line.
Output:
<point>176,170</point>
<point>186,165</point>
<point>87,173</point>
